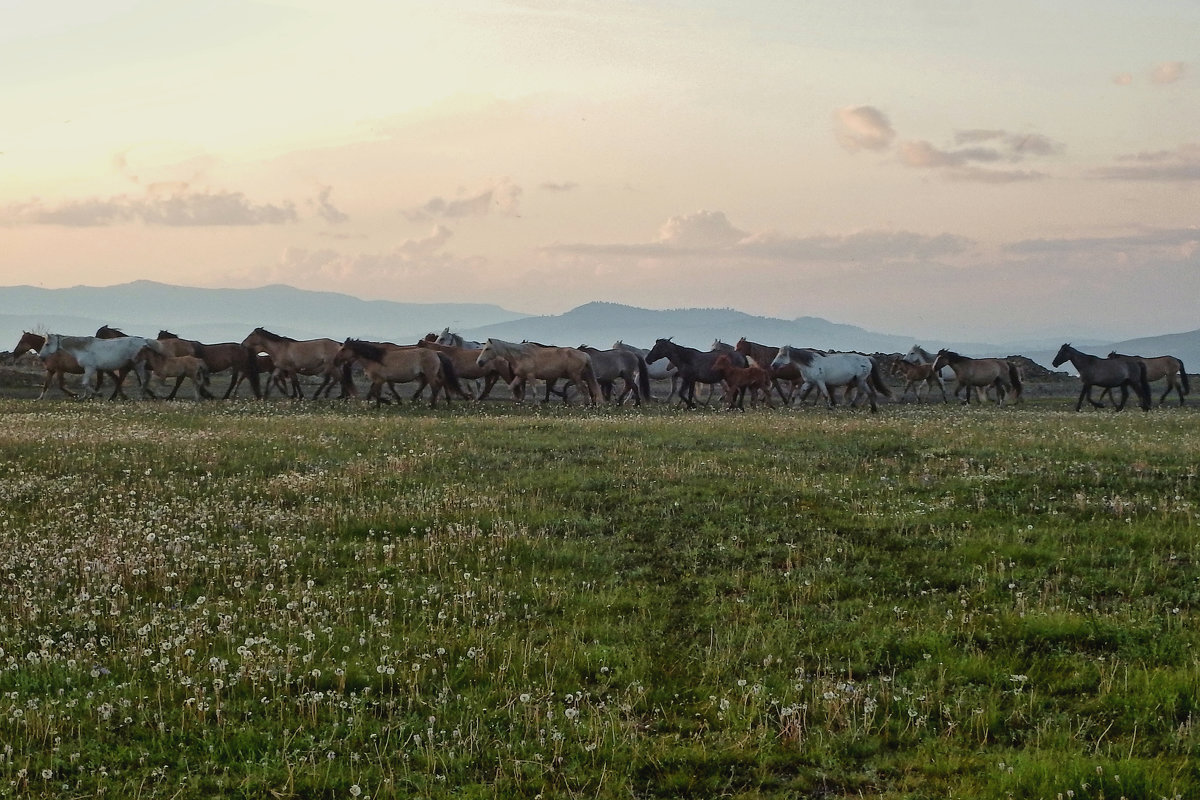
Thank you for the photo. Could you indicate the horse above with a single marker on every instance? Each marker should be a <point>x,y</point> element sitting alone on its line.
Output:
<point>919,355</point>
<point>660,371</point>
<point>765,354</point>
<point>824,370</point>
<point>529,360</point>
<point>608,365</point>
<point>919,375</point>
<point>57,366</point>
<point>177,367</point>
<point>451,339</point>
<point>101,355</point>
<point>303,357</point>
<point>695,366</point>
<point>386,363</point>
<point>981,372</point>
<point>465,364</point>
<point>1159,367</point>
<point>1108,373</point>
<point>738,380</point>
<point>241,361</point>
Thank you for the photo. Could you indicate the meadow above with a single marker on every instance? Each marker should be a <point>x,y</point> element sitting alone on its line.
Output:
<point>324,600</point>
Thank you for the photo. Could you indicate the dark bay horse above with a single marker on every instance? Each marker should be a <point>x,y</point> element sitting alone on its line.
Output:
<point>695,366</point>
<point>1159,367</point>
<point>1125,373</point>
<point>242,362</point>
<point>981,372</point>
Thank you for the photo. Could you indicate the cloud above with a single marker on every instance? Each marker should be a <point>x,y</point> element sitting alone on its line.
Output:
<point>421,257</point>
<point>700,229</point>
<point>1182,243</point>
<point>1122,79</point>
<point>710,235</point>
<point>326,210</point>
<point>503,198</point>
<point>1167,72</point>
<point>169,209</point>
<point>862,128</point>
<point>550,186</point>
<point>1178,165</point>
<point>990,147</point>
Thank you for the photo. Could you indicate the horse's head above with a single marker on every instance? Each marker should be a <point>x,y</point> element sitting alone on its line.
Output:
<point>662,348</point>
<point>1064,355</point>
<point>109,332</point>
<point>50,346</point>
<point>487,354</point>
<point>166,335</point>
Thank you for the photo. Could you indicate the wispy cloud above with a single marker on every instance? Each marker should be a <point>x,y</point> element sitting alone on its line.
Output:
<point>175,209</point>
<point>862,128</point>
<point>1167,72</point>
<point>988,147</point>
<point>1180,164</point>
<point>326,210</point>
<point>503,197</point>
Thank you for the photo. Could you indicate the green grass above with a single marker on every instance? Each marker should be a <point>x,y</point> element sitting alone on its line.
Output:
<point>323,600</point>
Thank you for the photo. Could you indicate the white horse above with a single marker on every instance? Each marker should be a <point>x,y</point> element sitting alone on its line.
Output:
<point>102,355</point>
<point>834,369</point>
<point>448,338</point>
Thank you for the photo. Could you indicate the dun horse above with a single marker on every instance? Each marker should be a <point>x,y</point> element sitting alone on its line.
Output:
<point>303,357</point>
<point>465,364</point>
<point>177,367</point>
<point>981,372</point>
<point>385,364</point>
<point>531,361</point>
<point>1124,373</point>
<point>1159,367</point>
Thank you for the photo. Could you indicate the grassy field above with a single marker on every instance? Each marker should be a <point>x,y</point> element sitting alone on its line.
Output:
<point>322,600</point>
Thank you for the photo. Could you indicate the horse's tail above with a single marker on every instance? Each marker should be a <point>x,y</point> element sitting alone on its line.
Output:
<point>1183,379</point>
<point>643,378</point>
<point>1014,375</point>
<point>348,387</point>
<point>877,381</point>
<point>1143,385</point>
<point>450,376</point>
<point>252,372</point>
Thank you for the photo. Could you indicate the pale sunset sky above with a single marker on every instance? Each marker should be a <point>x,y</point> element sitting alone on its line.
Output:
<point>945,168</point>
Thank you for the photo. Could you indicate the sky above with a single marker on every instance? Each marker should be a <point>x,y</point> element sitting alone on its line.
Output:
<point>944,168</point>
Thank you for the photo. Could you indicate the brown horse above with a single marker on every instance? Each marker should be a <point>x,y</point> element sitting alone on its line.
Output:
<point>58,365</point>
<point>981,372</point>
<point>1157,368</point>
<point>1108,373</point>
<point>465,364</point>
<point>385,363</point>
<point>918,375</point>
<point>739,380</point>
<point>531,361</point>
<point>303,357</point>
<point>177,367</point>
<point>241,362</point>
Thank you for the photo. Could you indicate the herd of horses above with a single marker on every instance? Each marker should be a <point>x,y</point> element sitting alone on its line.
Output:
<point>448,365</point>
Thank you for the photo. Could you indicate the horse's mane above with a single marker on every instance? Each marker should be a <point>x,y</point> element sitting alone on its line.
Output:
<point>272,337</point>
<point>950,355</point>
<point>801,354</point>
<point>368,350</point>
<point>167,335</point>
<point>106,331</point>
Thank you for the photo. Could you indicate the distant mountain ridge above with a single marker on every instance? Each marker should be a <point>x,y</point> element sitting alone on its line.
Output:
<point>145,307</point>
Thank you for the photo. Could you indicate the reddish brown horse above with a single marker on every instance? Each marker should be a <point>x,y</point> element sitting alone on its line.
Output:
<point>738,380</point>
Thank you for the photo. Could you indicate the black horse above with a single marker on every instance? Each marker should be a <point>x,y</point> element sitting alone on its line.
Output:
<point>695,366</point>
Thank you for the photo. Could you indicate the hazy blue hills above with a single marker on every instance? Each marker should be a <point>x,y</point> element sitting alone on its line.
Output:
<point>145,307</point>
